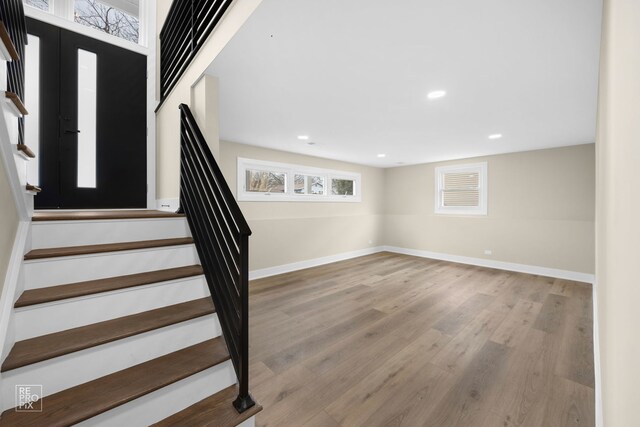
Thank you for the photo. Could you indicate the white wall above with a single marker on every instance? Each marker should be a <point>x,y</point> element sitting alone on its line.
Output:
<point>541,209</point>
<point>8,221</point>
<point>168,117</point>
<point>289,232</point>
<point>618,210</point>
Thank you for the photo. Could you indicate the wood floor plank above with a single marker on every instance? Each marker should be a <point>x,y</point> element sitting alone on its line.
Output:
<point>569,404</point>
<point>464,347</point>
<point>418,397</point>
<point>552,314</point>
<point>322,419</point>
<point>506,339</point>
<point>513,330</point>
<point>381,385</point>
<point>575,361</point>
<point>299,351</point>
<point>456,320</point>
<point>470,399</point>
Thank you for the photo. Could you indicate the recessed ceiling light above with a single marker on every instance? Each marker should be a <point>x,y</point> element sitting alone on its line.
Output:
<point>311,143</point>
<point>382,155</point>
<point>436,94</point>
<point>495,136</point>
<point>303,137</point>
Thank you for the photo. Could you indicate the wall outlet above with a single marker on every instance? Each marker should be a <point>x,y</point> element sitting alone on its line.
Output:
<point>371,242</point>
<point>487,252</point>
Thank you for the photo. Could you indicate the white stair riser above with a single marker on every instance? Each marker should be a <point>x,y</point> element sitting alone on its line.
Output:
<point>55,234</point>
<point>92,363</point>
<point>168,400</point>
<point>251,422</point>
<point>61,315</point>
<point>64,270</point>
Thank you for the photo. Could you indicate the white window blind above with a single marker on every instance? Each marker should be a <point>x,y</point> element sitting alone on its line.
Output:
<point>462,189</point>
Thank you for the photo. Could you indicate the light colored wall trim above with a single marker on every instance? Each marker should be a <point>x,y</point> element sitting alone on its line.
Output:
<point>596,358</point>
<point>168,205</point>
<point>301,265</point>
<point>11,288</point>
<point>149,31</point>
<point>501,265</point>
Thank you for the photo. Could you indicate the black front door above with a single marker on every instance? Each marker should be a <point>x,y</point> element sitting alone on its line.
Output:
<point>92,122</point>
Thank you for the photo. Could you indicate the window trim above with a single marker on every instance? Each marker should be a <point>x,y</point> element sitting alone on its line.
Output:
<point>291,170</point>
<point>480,210</point>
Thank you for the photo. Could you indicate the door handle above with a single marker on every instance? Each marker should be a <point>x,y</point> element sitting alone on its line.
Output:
<point>71,131</point>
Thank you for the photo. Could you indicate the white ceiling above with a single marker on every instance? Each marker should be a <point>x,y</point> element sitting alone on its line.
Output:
<point>354,76</point>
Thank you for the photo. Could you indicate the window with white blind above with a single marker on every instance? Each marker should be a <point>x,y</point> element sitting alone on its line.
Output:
<point>461,189</point>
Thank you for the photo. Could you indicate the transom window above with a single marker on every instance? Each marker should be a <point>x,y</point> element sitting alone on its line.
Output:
<point>119,18</point>
<point>269,181</point>
<point>461,189</point>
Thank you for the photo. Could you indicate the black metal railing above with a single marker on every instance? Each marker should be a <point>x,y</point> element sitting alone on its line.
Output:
<point>12,15</point>
<point>221,235</point>
<point>188,24</point>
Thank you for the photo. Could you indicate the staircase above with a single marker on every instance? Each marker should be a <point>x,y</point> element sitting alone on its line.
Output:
<point>116,323</point>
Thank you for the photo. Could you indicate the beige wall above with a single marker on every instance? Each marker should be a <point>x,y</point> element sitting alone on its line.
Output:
<point>287,232</point>
<point>168,118</point>
<point>8,223</point>
<point>541,208</point>
<point>618,228</point>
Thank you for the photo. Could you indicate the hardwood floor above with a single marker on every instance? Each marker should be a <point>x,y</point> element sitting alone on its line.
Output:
<point>394,340</point>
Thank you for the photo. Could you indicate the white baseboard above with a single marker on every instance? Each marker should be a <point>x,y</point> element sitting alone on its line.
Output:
<point>168,205</point>
<point>596,358</point>
<point>501,265</point>
<point>301,265</point>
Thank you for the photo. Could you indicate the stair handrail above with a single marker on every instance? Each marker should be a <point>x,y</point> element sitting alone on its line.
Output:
<point>221,236</point>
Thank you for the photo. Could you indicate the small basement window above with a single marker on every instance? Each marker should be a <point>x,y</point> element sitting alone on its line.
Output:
<point>461,189</point>
<point>262,181</point>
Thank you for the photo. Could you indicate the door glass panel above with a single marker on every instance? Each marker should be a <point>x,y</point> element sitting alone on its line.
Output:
<point>32,99</point>
<point>87,108</point>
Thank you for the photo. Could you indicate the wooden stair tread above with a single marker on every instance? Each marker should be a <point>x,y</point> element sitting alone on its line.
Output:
<point>8,43</point>
<point>33,188</point>
<point>45,347</point>
<point>102,248</point>
<point>13,97</point>
<point>27,151</point>
<point>90,287</point>
<point>216,410</point>
<point>93,215</point>
<point>87,400</point>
